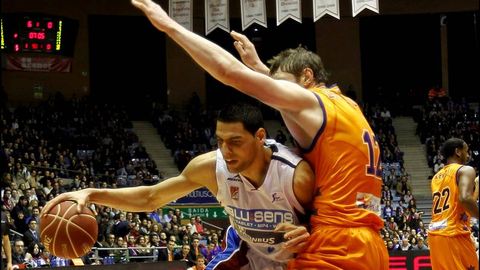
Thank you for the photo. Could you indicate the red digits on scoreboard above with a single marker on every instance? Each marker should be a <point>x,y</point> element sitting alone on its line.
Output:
<point>36,35</point>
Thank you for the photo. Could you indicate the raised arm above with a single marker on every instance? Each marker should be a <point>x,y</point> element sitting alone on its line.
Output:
<point>198,173</point>
<point>282,95</point>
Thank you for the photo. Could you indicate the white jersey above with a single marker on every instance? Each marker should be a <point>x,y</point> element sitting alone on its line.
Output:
<point>254,213</point>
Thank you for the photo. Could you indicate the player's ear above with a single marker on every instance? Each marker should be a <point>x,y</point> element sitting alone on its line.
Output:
<point>261,134</point>
<point>307,77</point>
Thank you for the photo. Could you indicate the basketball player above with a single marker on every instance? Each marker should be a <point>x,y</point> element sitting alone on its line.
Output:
<point>330,129</point>
<point>455,195</point>
<point>262,186</point>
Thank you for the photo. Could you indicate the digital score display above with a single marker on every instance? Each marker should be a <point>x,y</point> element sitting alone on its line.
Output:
<point>38,33</point>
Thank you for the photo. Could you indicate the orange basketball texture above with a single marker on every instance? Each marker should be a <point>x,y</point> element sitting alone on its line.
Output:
<point>66,233</point>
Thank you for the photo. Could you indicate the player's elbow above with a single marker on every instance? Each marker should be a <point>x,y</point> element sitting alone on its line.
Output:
<point>468,203</point>
<point>462,199</point>
<point>230,74</point>
<point>227,76</point>
<point>150,207</point>
<point>150,201</point>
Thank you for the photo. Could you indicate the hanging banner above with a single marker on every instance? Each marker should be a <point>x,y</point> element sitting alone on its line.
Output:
<point>253,11</point>
<point>289,9</point>
<point>181,12</point>
<point>38,64</point>
<point>359,5</point>
<point>323,7</point>
<point>216,15</point>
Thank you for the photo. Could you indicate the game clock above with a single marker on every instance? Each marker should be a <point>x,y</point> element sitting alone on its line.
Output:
<point>37,33</point>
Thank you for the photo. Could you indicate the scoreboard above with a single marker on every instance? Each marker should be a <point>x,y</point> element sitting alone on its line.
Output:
<point>37,33</point>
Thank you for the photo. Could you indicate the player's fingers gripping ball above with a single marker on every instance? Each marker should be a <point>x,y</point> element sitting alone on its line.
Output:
<point>67,233</point>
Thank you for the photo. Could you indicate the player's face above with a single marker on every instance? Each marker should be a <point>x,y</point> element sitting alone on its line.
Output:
<point>464,155</point>
<point>238,146</point>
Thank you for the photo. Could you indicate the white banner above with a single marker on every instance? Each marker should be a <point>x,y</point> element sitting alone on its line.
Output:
<point>181,12</point>
<point>289,9</point>
<point>253,11</point>
<point>323,7</point>
<point>38,63</point>
<point>216,15</point>
<point>359,5</point>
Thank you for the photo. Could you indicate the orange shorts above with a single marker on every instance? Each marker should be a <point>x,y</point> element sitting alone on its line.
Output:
<point>452,252</point>
<point>343,248</point>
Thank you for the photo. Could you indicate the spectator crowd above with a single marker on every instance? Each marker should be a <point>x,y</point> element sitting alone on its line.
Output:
<point>59,146</point>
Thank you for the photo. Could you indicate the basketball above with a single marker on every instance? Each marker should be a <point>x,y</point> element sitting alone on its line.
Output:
<point>66,233</point>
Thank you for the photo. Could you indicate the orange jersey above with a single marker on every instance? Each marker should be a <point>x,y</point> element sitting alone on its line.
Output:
<point>449,218</point>
<point>346,159</point>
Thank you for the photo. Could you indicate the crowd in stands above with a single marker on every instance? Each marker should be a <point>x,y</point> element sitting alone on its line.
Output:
<point>59,146</point>
<point>186,133</point>
<point>443,118</point>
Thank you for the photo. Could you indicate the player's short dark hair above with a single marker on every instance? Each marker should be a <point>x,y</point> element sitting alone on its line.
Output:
<point>248,114</point>
<point>294,61</point>
<point>449,146</point>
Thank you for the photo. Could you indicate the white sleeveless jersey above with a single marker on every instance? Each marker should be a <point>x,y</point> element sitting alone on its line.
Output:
<point>254,213</point>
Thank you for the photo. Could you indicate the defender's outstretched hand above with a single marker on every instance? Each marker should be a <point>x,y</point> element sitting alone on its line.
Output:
<point>155,13</point>
<point>296,236</point>
<point>247,52</point>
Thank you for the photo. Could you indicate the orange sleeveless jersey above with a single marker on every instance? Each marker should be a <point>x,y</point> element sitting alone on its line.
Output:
<point>449,218</point>
<point>346,160</point>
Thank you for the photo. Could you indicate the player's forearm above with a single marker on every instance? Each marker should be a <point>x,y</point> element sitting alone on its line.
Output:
<point>7,248</point>
<point>475,191</point>
<point>470,205</point>
<point>136,199</point>
<point>211,57</point>
<point>260,67</point>
<point>216,61</point>
<point>227,69</point>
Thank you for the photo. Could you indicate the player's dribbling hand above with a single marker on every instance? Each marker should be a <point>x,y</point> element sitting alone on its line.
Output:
<point>296,236</point>
<point>81,197</point>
